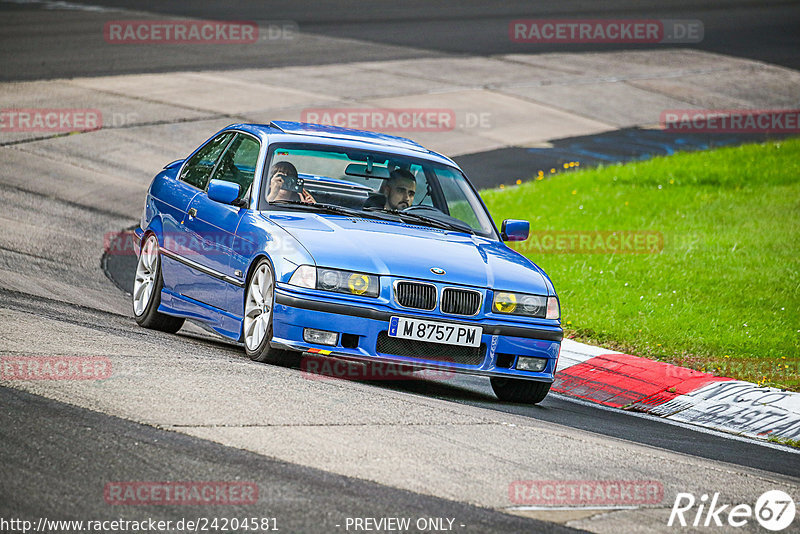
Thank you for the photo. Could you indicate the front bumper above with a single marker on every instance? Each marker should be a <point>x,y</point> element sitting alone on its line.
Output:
<point>362,332</point>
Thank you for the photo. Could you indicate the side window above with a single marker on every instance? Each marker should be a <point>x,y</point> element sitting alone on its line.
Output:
<point>238,163</point>
<point>198,169</point>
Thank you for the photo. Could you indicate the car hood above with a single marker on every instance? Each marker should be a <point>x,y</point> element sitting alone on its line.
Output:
<point>407,251</point>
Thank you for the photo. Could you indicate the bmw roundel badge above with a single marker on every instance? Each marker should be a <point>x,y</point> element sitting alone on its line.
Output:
<point>437,270</point>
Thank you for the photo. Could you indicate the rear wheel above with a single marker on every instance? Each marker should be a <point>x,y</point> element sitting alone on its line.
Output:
<point>516,390</point>
<point>147,290</point>
<point>257,324</point>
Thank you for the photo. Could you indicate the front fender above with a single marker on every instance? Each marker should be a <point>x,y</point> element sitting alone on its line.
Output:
<point>259,237</point>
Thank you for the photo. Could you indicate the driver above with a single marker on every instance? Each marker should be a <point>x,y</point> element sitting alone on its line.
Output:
<point>284,172</point>
<point>399,189</point>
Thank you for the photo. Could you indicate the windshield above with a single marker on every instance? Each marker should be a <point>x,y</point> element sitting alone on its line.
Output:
<point>372,184</point>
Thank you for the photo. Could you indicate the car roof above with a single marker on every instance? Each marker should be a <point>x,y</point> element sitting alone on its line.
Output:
<point>289,131</point>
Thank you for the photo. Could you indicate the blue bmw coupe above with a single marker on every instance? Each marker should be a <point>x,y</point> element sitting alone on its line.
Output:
<point>300,238</point>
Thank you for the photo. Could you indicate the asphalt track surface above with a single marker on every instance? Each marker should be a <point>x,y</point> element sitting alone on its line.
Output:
<point>40,42</point>
<point>476,391</point>
<point>647,430</point>
<point>56,457</point>
<point>75,458</point>
<point>639,428</point>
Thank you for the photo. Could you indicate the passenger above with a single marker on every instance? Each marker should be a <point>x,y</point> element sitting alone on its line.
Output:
<point>399,189</point>
<point>283,184</point>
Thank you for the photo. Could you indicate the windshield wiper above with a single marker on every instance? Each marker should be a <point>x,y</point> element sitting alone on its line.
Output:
<point>431,221</point>
<point>327,208</point>
<point>447,225</point>
<point>334,209</point>
<point>378,213</point>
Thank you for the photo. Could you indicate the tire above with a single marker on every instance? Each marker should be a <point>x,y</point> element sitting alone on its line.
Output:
<point>147,286</point>
<point>517,390</point>
<point>259,303</point>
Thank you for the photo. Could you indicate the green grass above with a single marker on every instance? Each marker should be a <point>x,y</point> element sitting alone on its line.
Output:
<point>785,441</point>
<point>722,295</point>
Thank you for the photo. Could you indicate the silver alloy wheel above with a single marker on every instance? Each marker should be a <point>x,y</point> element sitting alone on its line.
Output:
<point>258,307</point>
<point>145,275</point>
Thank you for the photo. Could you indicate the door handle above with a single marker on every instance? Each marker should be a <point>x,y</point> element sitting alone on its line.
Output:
<point>192,213</point>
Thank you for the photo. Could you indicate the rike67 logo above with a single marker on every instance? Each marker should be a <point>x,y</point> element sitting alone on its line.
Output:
<point>774,510</point>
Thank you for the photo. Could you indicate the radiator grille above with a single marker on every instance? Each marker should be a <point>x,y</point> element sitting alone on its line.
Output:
<point>460,301</point>
<point>415,295</point>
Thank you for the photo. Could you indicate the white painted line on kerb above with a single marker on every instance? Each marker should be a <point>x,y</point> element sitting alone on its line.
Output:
<point>573,353</point>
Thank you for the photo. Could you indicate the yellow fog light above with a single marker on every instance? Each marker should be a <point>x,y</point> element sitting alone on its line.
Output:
<point>358,283</point>
<point>505,302</point>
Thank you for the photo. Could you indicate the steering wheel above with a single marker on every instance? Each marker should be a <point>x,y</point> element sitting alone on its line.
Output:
<point>422,207</point>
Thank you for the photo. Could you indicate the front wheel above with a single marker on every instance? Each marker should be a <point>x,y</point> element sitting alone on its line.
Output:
<point>516,390</point>
<point>147,291</point>
<point>257,324</point>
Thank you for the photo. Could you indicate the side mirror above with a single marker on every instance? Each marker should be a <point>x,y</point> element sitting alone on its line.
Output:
<point>224,192</point>
<point>515,230</point>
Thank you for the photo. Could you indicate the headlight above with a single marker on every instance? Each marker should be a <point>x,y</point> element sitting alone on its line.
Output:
<point>505,302</point>
<point>348,282</point>
<point>527,305</point>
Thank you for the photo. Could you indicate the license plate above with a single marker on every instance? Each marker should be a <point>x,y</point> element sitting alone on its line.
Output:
<point>435,332</point>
